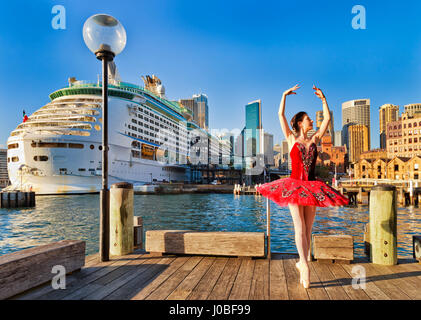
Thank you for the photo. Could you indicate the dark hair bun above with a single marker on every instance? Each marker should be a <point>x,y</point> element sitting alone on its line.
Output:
<point>297,118</point>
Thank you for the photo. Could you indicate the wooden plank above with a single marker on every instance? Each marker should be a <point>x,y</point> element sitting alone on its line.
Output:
<point>278,289</point>
<point>91,266</point>
<point>407,278</point>
<point>207,283</point>
<point>241,288</point>
<point>165,289</point>
<point>260,283</point>
<point>316,291</point>
<point>371,289</point>
<point>135,270</point>
<point>186,287</point>
<point>346,282</point>
<point>296,291</point>
<point>26,269</point>
<point>329,282</point>
<point>402,280</point>
<point>141,286</point>
<point>333,247</point>
<point>377,274</point>
<point>224,284</point>
<point>250,244</point>
<point>100,270</point>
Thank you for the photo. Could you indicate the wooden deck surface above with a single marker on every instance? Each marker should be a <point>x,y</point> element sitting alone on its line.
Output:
<point>141,276</point>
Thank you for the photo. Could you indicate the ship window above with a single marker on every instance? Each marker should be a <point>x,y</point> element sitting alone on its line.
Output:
<point>41,158</point>
<point>8,159</point>
<point>48,145</point>
<point>82,169</point>
<point>76,145</point>
<point>91,146</point>
<point>13,146</point>
<point>100,147</point>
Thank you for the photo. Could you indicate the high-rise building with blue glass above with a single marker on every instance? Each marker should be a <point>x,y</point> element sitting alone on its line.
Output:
<point>253,130</point>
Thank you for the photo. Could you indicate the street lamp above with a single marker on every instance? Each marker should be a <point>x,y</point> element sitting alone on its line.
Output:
<point>105,37</point>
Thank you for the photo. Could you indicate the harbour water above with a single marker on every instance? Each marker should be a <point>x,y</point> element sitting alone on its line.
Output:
<point>77,217</point>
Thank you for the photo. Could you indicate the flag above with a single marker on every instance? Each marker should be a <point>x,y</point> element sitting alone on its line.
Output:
<point>25,117</point>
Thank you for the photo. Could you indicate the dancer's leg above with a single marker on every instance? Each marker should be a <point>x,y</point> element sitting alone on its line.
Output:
<point>297,213</point>
<point>309,215</point>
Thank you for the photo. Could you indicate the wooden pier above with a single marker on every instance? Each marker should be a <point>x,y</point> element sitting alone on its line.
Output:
<point>143,276</point>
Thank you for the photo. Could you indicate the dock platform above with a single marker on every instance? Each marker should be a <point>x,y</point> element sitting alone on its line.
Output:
<point>144,276</point>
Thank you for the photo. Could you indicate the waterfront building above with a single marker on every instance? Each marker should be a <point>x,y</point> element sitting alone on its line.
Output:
<point>403,137</point>
<point>4,177</point>
<point>355,112</point>
<point>268,149</point>
<point>374,154</point>
<point>412,109</point>
<point>387,113</point>
<point>358,141</point>
<point>398,168</point>
<point>331,156</point>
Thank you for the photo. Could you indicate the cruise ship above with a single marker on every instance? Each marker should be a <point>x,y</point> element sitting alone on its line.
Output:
<point>57,149</point>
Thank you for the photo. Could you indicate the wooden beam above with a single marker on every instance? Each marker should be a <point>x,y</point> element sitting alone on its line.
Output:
<point>244,244</point>
<point>26,269</point>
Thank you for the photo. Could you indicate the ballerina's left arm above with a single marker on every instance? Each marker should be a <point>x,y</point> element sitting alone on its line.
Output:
<point>326,115</point>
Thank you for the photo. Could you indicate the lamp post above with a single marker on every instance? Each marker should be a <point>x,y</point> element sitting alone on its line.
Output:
<point>105,37</point>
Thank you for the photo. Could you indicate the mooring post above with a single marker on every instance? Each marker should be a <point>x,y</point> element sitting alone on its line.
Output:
<point>383,225</point>
<point>121,218</point>
<point>268,228</point>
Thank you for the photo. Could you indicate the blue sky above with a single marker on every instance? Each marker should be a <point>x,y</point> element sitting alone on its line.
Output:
<point>233,51</point>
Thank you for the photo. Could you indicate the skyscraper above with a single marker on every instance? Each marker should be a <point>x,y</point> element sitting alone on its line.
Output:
<point>268,149</point>
<point>358,141</point>
<point>201,114</point>
<point>387,114</point>
<point>253,144</point>
<point>355,112</point>
<point>198,105</point>
<point>4,177</point>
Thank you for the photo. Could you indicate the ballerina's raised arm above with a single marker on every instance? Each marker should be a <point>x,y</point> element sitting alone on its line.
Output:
<point>284,123</point>
<point>326,116</point>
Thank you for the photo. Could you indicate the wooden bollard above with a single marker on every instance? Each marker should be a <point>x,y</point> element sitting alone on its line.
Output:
<point>367,239</point>
<point>360,195</point>
<point>138,232</point>
<point>383,225</point>
<point>416,243</point>
<point>121,218</point>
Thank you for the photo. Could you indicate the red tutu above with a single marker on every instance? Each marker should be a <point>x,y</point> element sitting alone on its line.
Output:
<point>302,188</point>
<point>304,193</point>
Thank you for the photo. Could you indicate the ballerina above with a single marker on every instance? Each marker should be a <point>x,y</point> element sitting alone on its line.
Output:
<point>302,192</point>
